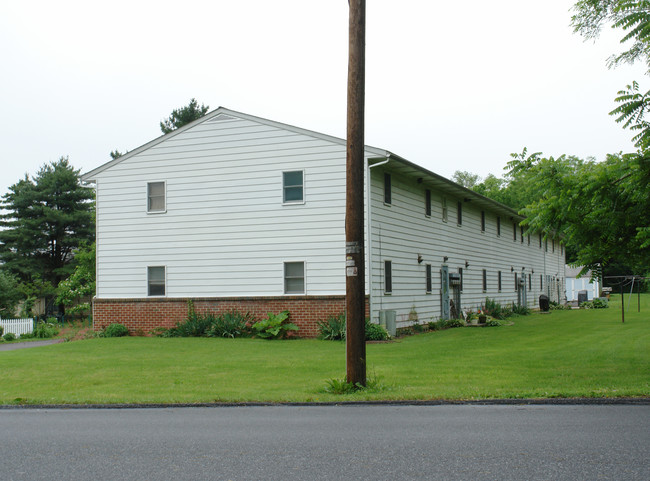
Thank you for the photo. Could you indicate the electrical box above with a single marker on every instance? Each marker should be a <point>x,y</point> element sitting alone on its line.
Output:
<point>454,278</point>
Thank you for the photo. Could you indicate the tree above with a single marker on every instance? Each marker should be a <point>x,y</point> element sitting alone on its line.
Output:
<point>47,218</point>
<point>600,209</point>
<point>116,154</point>
<point>466,179</point>
<point>81,283</point>
<point>10,294</point>
<point>183,115</point>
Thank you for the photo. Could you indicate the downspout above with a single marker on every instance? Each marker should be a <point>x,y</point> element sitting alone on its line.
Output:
<point>369,226</point>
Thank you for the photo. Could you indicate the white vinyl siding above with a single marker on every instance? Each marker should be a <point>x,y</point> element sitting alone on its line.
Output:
<point>401,234</point>
<point>225,233</point>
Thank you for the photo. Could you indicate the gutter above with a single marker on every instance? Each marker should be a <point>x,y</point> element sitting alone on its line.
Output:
<point>369,226</point>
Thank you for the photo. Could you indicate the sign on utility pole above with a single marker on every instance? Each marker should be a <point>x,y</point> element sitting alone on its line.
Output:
<point>355,291</point>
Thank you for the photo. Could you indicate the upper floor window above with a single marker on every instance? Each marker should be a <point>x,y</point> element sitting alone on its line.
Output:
<point>156,197</point>
<point>514,232</point>
<point>521,234</point>
<point>294,277</point>
<point>388,194</point>
<point>156,281</point>
<point>540,240</point>
<point>482,221</point>
<point>498,226</point>
<point>444,209</point>
<point>293,187</point>
<point>459,213</point>
<point>427,203</point>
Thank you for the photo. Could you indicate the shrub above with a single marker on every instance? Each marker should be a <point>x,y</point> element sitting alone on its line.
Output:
<point>275,326</point>
<point>375,332</point>
<point>27,335</point>
<point>556,306</point>
<point>433,325</point>
<point>342,386</point>
<point>10,336</point>
<point>333,328</point>
<point>493,309</point>
<point>451,323</point>
<point>196,325</point>
<point>600,303</point>
<point>45,330</point>
<point>492,323</point>
<point>520,310</point>
<point>2,331</point>
<point>230,324</point>
<point>116,330</point>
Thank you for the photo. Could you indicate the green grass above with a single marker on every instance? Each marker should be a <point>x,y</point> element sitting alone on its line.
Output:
<point>562,354</point>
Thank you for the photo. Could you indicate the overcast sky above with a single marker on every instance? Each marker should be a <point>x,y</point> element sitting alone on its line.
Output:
<point>449,85</point>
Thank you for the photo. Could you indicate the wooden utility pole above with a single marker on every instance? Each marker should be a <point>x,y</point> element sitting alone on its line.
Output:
<point>355,272</point>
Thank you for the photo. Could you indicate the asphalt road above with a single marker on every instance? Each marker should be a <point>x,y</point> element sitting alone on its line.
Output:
<point>466,442</point>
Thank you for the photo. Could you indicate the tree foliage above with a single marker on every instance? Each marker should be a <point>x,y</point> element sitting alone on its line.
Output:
<point>47,217</point>
<point>183,115</point>
<point>81,283</point>
<point>466,179</point>
<point>600,209</point>
<point>10,294</point>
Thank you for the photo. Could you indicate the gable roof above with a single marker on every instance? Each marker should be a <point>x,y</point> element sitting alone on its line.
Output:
<point>397,163</point>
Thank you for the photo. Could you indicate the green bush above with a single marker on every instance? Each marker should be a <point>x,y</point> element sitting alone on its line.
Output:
<point>27,335</point>
<point>45,330</point>
<point>492,323</point>
<point>433,325</point>
<point>10,336</point>
<point>275,326</point>
<point>116,330</point>
<point>493,309</point>
<point>196,325</point>
<point>556,306</point>
<point>375,332</point>
<point>230,324</point>
<point>520,310</point>
<point>333,328</point>
<point>596,303</point>
<point>452,323</point>
<point>2,331</point>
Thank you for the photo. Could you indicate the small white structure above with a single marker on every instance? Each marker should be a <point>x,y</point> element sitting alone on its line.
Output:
<point>574,284</point>
<point>17,326</point>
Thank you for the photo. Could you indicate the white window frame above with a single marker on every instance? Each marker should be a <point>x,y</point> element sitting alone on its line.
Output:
<point>304,277</point>
<point>445,209</point>
<point>304,192</point>
<point>164,268</point>
<point>164,209</point>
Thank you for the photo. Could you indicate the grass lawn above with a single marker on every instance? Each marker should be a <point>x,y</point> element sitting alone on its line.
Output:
<point>562,354</point>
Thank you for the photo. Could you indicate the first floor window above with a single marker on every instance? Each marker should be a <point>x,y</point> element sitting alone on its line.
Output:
<point>516,282</point>
<point>293,187</point>
<point>460,271</point>
<point>156,197</point>
<point>156,280</point>
<point>484,280</point>
<point>294,277</point>
<point>498,226</point>
<point>388,277</point>
<point>499,280</point>
<point>459,213</point>
<point>482,221</point>
<point>541,282</point>
<point>429,286</point>
<point>530,283</point>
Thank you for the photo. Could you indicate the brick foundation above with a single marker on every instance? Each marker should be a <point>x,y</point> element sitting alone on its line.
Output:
<point>143,315</point>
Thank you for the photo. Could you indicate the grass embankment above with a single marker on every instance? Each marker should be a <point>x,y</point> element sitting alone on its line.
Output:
<point>562,354</point>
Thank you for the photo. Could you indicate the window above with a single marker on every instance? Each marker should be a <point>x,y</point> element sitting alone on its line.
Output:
<point>528,237</point>
<point>553,244</point>
<point>427,203</point>
<point>444,209</point>
<point>293,187</point>
<point>562,249</point>
<point>498,226</point>
<point>156,281</point>
<point>540,240</point>
<point>546,245</point>
<point>484,280</point>
<point>388,277</point>
<point>459,213</point>
<point>541,282</point>
<point>388,197</point>
<point>530,283</point>
<point>460,271</point>
<point>429,284</point>
<point>482,221</point>
<point>514,232</point>
<point>156,197</point>
<point>499,281</point>
<point>294,277</point>
<point>521,234</point>
<point>516,282</point>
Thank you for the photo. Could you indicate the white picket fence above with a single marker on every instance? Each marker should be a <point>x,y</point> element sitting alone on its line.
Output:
<point>17,326</point>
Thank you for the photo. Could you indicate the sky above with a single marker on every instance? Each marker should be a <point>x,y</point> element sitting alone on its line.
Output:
<point>449,85</point>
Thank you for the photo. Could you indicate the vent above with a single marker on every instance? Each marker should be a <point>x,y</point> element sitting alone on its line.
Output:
<point>221,118</point>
